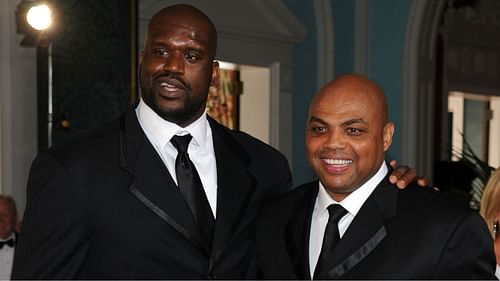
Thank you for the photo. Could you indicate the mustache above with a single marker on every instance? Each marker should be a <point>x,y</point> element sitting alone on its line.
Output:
<point>171,76</point>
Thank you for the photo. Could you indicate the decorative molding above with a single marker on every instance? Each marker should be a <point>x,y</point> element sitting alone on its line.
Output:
<point>410,81</point>
<point>483,15</point>
<point>270,21</point>
<point>274,134</point>
<point>418,84</point>
<point>282,20</point>
<point>362,37</point>
<point>471,46</point>
<point>325,39</point>
<point>473,68</point>
<point>5,71</point>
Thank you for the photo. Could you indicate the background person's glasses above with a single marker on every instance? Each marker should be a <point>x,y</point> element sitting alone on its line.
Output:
<point>495,229</point>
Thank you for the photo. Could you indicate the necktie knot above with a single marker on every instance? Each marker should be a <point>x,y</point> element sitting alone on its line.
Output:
<point>336,212</point>
<point>9,243</point>
<point>181,143</point>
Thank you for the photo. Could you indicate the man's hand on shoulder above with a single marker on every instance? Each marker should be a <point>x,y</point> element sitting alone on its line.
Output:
<point>404,175</point>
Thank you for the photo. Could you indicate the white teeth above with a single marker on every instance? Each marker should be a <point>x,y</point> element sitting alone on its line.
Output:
<point>168,87</point>
<point>337,161</point>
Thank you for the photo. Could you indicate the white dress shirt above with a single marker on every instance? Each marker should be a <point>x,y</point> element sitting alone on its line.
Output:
<point>6,258</point>
<point>497,272</point>
<point>352,203</point>
<point>200,149</point>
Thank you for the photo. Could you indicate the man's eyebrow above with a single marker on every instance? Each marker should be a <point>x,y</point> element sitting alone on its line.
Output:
<point>316,119</point>
<point>354,121</point>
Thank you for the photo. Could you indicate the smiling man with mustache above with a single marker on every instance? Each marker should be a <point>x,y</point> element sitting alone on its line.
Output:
<point>351,223</point>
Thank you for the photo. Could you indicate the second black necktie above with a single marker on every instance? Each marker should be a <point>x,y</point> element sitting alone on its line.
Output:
<point>191,187</point>
<point>330,240</point>
<point>9,243</point>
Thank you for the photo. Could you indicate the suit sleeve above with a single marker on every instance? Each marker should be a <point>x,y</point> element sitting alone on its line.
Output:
<point>286,180</point>
<point>469,252</point>
<point>54,237</point>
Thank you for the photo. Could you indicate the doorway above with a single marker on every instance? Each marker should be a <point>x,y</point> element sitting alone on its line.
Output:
<point>252,104</point>
<point>475,121</point>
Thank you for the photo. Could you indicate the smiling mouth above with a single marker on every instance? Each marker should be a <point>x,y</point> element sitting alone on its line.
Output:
<point>336,166</point>
<point>338,162</point>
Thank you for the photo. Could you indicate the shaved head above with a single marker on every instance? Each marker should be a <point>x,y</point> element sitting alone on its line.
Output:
<point>356,85</point>
<point>185,15</point>
<point>348,133</point>
<point>177,63</point>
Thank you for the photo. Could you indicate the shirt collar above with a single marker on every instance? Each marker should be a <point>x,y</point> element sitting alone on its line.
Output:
<point>12,236</point>
<point>354,201</point>
<point>161,131</point>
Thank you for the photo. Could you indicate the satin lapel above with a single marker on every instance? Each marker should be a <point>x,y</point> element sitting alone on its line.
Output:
<point>151,182</point>
<point>297,231</point>
<point>366,231</point>
<point>235,187</point>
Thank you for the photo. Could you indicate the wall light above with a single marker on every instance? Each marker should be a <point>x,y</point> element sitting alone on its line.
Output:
<point>39,17</point>
<point>33,20</point>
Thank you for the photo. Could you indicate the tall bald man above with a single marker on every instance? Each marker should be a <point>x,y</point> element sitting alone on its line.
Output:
<point>111,204</point>
<point>351,223</point>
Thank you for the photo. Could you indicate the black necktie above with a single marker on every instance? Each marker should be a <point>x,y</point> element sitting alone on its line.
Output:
<point>330,239</point>
<point>191,187</point>
<point>9,243</point>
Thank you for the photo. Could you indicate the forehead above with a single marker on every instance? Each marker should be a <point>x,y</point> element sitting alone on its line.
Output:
<point>345,103</point>
<point>172,32</point>
<point>184,23</point>
<point>5,206</point>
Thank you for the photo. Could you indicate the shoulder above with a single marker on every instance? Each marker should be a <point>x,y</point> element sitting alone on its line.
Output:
<point>247,144</point>
<point>96,143</point>
<point>433,205</point>
<point>291,199</point>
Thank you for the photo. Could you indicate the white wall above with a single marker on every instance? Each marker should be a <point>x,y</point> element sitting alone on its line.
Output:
<point>494,151</point>
<point>255,102</point>
<point>18,122</point>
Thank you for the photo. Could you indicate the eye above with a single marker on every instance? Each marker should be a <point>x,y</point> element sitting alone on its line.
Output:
<point>316,130</point>
<point>192,57</point>
<point>160,52</point>
<point>354,131</point>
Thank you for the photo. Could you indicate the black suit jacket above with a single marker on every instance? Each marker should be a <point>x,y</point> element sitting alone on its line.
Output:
<point>415,233</point>
<point>105,206</point>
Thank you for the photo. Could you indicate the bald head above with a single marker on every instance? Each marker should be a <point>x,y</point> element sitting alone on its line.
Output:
<point>177,64</point>
<point>355,86</point>
<point>347,133</point>
<point>8,216</point>
<point>185,16</point>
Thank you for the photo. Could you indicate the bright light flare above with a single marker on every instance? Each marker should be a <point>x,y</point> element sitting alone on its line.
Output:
<point>39,17</point>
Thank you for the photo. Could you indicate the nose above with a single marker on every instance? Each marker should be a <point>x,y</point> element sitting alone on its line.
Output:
<point>174,63</point>
<point>335,140</point>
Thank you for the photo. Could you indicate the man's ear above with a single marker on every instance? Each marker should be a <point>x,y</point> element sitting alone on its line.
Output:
<point>388,133</point>
<point>215,73</point>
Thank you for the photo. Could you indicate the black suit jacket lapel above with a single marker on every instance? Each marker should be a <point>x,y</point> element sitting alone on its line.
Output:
<point>151,182</point>
<point>235,187</point>
<point>366,231</point>
<point>297,231</point>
